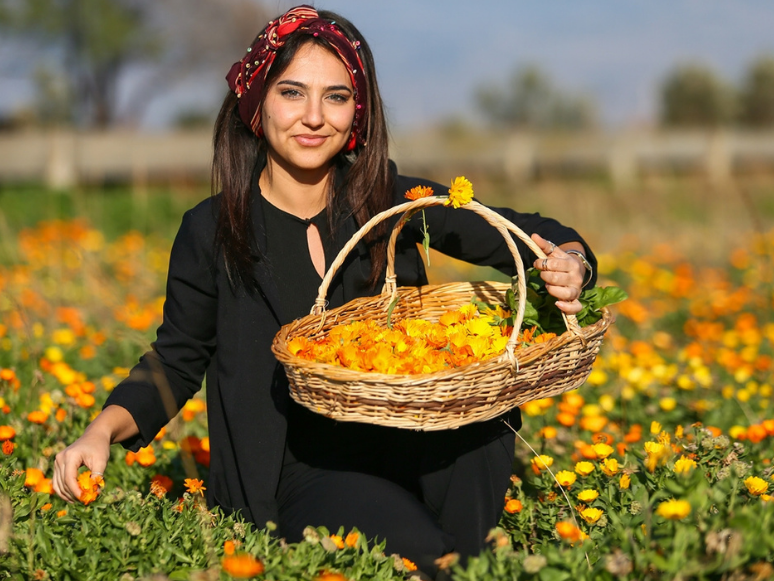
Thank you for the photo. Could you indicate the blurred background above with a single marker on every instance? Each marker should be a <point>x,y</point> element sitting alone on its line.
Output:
<point>636,122</point>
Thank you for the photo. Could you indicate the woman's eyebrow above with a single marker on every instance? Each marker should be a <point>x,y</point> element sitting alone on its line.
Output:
<point>305,86</point>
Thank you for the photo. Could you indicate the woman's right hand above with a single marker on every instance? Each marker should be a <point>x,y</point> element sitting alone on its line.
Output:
<point>92,449</point>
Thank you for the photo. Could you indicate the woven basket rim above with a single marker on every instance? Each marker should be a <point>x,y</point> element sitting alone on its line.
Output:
<point>524,355</point>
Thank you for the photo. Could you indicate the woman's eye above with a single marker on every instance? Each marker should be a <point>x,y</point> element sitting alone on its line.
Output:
<point>290,93</point>
<point>338,97</point>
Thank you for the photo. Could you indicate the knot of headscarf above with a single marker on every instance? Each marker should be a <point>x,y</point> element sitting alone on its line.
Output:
<point>247,77</point>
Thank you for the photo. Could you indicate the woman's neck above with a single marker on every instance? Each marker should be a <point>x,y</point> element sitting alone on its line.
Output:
<point>298,192</point>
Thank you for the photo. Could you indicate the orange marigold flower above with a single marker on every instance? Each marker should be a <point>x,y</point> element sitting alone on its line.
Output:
<point>85,400</point>
<point>7,374</point>
<point>513,505</point>
<point>45,486</point>
<point>145,456</point>
<point>409,565</point>
<point>6,433</point>
<point>756,433</point>
<point>593,423</point>
<point>242,566</point>
<point>33,477</point>
<point>164,481</point>
<point>190,444</point>
<point>37,417</point>
<point>351,539</point>
<point>338,541</point>
<point>194,485</point>
<point>8,447</point>
<point>330,576</point>
<point>130,458</point>
<point>61,513</point>
<point>157,490</point>
<point>568,531</point>
<point>418,192</point>
<point>229,547</point>
<point>46,507</point>
<point>60,415</point>
<point>88,496</point>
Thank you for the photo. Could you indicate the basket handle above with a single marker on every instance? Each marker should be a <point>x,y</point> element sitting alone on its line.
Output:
<point>501,224</point>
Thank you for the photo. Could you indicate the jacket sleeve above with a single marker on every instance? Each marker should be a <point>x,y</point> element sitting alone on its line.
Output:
<point>172,371</point>
<point>464,235</point>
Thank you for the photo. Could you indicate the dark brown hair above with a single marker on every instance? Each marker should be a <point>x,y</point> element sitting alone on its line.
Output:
<point>366,188</point>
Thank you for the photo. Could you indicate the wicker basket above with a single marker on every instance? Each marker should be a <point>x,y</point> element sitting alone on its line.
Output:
<point>444,399</point>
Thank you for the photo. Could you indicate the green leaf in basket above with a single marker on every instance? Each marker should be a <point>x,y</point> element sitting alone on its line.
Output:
<point>393,302</point>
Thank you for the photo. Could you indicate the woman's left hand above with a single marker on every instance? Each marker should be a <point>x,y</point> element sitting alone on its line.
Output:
<point>562,273</point>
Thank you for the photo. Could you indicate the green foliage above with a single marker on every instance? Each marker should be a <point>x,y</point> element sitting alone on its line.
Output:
<point>541,312</point>
<point>757,94</point>
<point>531,101</point>
<point>98,38</point>
<point>693,96</point>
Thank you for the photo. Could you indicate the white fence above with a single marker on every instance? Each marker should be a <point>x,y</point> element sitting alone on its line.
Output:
<point>61,159</point>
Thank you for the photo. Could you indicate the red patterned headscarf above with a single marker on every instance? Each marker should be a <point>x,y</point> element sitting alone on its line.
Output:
<point>248,76</point>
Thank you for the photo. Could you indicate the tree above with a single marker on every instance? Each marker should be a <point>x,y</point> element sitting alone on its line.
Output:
<point>693,96</point>
<point>757,94</point>
<point>88,46</point>
<point>531,101</point>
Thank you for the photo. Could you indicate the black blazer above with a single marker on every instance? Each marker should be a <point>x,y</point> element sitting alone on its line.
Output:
<point>209,329</point>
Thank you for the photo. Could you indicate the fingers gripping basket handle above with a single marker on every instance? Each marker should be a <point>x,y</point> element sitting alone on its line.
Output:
<point>408,209</point>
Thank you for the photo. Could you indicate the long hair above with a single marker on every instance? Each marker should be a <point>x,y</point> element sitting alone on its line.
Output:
<point>365,190</point>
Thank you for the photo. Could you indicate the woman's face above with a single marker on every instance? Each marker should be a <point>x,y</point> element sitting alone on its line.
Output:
<point>308,110</point>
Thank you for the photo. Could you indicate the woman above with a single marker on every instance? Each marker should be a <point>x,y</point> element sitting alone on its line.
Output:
<point>301,163</point>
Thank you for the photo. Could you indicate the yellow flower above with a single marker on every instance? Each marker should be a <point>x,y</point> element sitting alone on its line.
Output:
<point>684,465</point>
<point>756,486</point>
<point>338,541</point>
<point>591,515</point>
<point>610,466</point>
<point>460,193</point>
<point>674,509</point>
<point>667,403</point>
<point>624,482</point>
<point>655,427</point>
<point>602,450</point>
<point>542,462</point>
<point>587,496</point>
<point>658,454</point>
<point>566,478</point>
<point>584,468</point>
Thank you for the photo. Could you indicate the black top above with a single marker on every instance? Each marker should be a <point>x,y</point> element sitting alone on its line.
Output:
<point>289,260</point>
<point>209,327</point>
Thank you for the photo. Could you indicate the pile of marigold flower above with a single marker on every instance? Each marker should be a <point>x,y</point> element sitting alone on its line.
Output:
<point>412,346</point>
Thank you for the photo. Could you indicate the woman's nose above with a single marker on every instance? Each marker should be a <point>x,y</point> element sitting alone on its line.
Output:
<point>313,113</point>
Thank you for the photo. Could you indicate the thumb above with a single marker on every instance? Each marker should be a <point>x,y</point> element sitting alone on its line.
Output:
<point>544,244</point>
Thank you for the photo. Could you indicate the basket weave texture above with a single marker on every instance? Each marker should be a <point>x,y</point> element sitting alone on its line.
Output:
<point>444,399</point>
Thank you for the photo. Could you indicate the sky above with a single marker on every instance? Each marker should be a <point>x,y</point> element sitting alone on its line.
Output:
<point>431,56</point>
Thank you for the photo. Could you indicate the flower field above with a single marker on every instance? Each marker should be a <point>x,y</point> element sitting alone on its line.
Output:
<point>659,467</point>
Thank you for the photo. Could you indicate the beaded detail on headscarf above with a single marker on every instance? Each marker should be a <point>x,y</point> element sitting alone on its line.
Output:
<point>247,77</point>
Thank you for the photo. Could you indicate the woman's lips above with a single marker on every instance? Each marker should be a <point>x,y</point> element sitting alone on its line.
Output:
<point>310,140</point>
